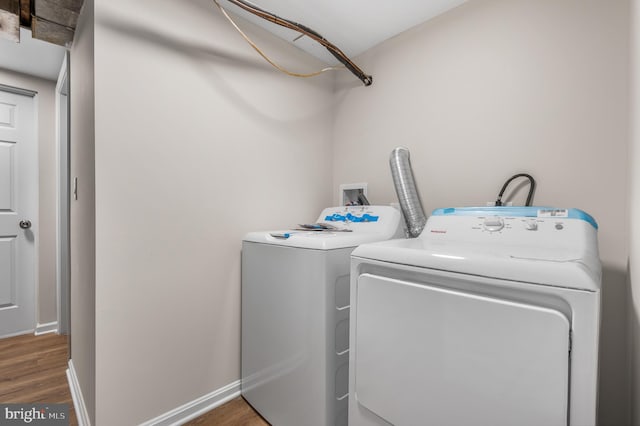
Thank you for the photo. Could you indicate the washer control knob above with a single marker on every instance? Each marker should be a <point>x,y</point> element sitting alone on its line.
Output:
<point>559,226</point>
<point>493,223</point>
<point>531,225</point>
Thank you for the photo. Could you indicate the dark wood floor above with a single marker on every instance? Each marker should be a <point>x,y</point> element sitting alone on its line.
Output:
<point>33,370</point>
<point>234,412</point>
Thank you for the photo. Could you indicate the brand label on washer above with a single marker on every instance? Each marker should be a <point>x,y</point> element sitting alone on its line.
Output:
<point>553,213</point>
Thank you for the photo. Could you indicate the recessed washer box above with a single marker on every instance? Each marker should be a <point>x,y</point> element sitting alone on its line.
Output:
<point>349,193</point>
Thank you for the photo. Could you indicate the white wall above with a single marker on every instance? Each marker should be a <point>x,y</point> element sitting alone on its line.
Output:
<point>46,220</point>
<point>497,87</point>
<point>82,211</point>
<point>197,142</point>
<point>634,257</point>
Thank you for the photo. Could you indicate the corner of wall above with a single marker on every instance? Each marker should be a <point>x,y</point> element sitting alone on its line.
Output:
<point>634,209</point>
<point>82,210</point>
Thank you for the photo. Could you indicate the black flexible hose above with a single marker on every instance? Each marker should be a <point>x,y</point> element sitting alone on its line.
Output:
<point>532,186</point>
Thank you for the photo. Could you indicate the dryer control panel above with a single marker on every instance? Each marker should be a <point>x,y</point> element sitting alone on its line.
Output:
<point>528,232</point>
<point>497,219</point>
<point>498,223</point>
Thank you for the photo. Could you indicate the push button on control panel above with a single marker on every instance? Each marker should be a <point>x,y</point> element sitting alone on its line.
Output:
<point>531,225</point>
<point>493,223</point>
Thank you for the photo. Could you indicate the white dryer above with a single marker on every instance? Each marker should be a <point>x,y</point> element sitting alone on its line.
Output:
<point>489,318</point>
<point>295,315</point>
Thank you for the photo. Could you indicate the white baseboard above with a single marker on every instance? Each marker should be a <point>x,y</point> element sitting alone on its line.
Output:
<point>50,327</point>
<point>197,407</point>
<point>17,333</point>
<point>76,395</point>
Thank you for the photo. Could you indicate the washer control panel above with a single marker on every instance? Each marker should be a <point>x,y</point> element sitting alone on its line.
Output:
<point>354,214</point>
<point>380,219</point>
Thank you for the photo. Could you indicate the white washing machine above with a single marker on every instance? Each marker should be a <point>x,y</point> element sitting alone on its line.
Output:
<point>295,315</point>
<point>490,317</point>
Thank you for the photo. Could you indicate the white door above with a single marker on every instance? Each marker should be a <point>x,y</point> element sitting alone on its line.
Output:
<point>18,213</point>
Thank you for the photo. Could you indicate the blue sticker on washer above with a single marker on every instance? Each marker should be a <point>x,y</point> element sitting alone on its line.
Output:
<point>351,218</point>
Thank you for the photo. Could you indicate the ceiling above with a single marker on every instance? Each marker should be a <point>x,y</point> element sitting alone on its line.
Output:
<point>31,56</point>
<point>354,26</point>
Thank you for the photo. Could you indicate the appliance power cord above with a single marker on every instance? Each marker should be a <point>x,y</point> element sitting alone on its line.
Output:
<point>532,186</point>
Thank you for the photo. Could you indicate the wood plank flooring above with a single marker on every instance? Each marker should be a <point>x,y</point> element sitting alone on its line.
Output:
<point>234,412</point>
<point>33,370</point>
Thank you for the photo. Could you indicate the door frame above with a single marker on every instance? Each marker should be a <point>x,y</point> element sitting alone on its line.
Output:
<point>63,269</point>
<point>18,91</point>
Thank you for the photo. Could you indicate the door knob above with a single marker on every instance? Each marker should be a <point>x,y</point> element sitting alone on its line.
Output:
<point>25,224</point>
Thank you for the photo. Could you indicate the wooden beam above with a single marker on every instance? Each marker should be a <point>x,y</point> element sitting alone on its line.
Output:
<point>72,5</point>
<point>25,13</point>
<point>10,6</point>
<point>51,11</point>
<point>51,32</point>
<point>10,20</point>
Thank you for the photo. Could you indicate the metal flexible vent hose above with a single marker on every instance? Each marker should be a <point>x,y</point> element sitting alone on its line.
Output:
<point>408,196</point>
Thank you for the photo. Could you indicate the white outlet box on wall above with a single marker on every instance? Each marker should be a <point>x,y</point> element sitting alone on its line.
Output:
<point>349,193</point>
